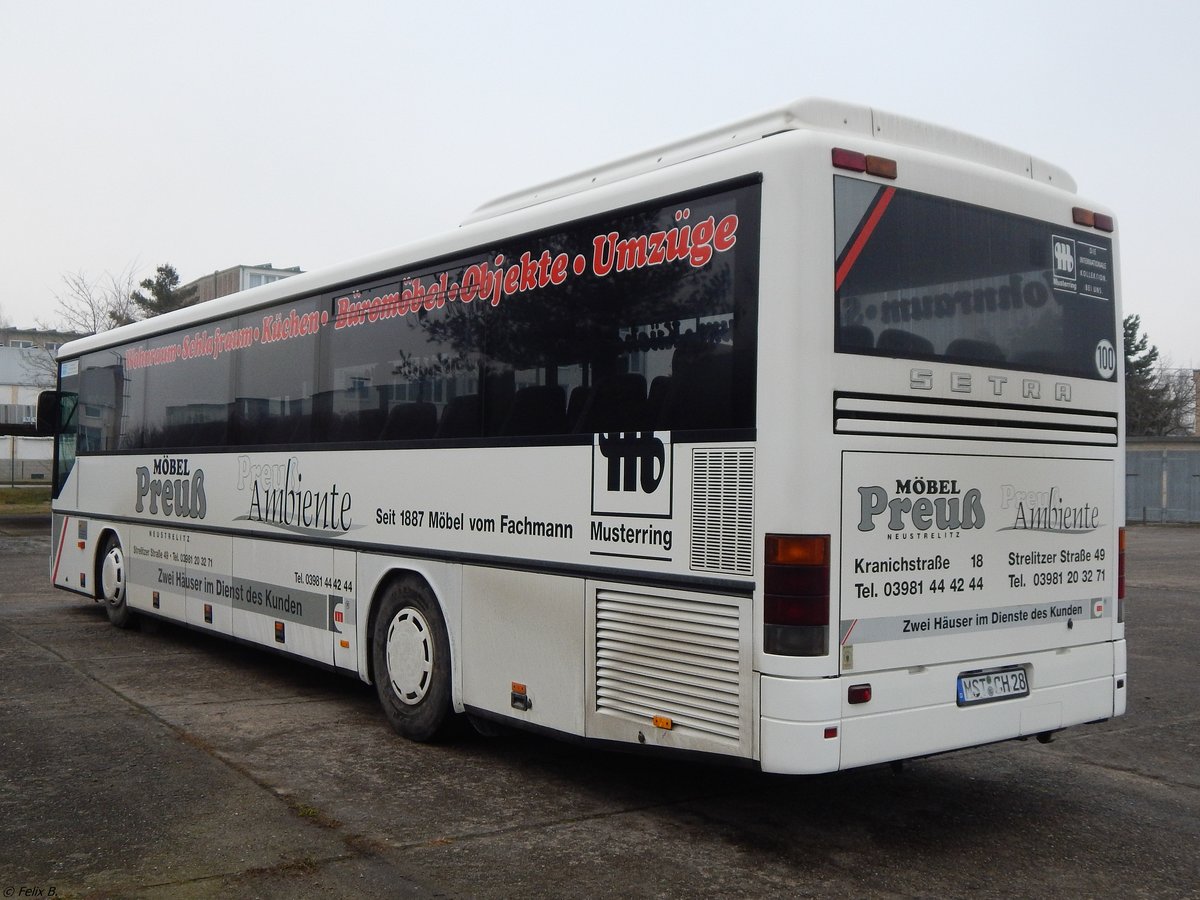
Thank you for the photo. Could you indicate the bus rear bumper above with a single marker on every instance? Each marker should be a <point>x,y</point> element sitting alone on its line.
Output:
<point>914,712</point>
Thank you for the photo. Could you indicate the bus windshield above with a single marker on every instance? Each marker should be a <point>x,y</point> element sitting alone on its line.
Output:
<point>923,277</point>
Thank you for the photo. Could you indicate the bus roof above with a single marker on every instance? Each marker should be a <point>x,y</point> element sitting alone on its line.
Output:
<point>813,114</point>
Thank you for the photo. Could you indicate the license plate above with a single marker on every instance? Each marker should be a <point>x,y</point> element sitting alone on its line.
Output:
<point>997,684</point>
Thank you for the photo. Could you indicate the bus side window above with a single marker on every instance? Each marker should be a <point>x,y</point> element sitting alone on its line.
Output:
<point>580,396</point>
<point>618,403</point>
<point>410,421</point>
<point>536,410</point>
<point>461,417</point>
<point>701,389</point>
<point>656,399</point>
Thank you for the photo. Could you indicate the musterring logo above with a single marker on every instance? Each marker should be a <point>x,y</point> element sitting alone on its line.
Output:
<point>631,474</point>
<point>1047,510</point>
<point>1064,257</point>
<point>278,497</point>
<point>635,460</point>
<point>930,507</point>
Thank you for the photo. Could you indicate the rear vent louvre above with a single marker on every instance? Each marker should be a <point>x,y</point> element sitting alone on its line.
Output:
<point>670,656</point>
<point>723,511</point>
<point>964,420</point>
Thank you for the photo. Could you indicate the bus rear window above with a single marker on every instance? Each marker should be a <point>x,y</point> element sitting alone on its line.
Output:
<point>926,278</point>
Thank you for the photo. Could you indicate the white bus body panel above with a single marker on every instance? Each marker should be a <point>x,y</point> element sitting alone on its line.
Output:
<point>913,711</point>
<point>524,629</point>
<point>953,557</point>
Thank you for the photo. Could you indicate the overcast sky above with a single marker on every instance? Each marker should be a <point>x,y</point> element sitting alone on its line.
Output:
<point>214,134</point>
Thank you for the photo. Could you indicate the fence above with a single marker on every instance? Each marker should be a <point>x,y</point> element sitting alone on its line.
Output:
<point>24,471</point>
<point>1162,480</point>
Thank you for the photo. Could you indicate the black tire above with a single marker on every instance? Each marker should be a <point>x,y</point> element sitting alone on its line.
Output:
<point>110,582</point>
<point>488,728</point>
<point>410,653</point>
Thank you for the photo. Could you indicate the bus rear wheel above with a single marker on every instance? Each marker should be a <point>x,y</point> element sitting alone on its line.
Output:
<point>110,581</point>
<point>410,652</point>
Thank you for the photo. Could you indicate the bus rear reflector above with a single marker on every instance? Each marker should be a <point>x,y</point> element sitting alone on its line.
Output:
<point>859,693</point>
<point>1121,574</point>
<point>796,594</point>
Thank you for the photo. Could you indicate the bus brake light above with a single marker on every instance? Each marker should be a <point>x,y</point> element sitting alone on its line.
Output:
<point>849,159</point>
<point>796,601</point>
<point>880,166</point>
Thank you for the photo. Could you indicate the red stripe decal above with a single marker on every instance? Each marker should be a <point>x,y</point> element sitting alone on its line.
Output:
<point>847,637</point>
<point>62,540</point>
<point>863,236</point>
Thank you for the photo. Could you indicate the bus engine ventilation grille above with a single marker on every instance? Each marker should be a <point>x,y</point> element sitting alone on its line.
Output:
<point>668,656</point>
<point>723,511</point>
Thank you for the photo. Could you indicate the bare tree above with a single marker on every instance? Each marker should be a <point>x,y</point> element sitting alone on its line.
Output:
<point>1162,406</point>
<point>91,305</point>
<point>39,367</point>
<point>85,305</point>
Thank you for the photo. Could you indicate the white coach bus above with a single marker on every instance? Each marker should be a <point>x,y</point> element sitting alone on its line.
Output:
<point>798,443</point>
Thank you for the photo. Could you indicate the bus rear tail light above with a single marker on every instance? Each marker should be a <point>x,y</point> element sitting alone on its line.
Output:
<point>880,166</point>
<point>796,602</point>
<point>1121,574</point>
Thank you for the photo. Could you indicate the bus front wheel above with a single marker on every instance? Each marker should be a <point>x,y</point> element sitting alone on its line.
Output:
<point>410,652</point>
<point>110,580</point>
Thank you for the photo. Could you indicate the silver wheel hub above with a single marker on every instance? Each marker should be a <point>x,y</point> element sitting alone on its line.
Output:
<point>410,656</point>
<point>112,576</point>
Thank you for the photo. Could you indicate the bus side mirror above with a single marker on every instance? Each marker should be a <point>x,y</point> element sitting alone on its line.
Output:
<point>45,425</point>
<point>47,413</point>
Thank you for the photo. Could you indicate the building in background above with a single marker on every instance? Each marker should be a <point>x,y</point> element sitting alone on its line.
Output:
<point>1162,474</point>
<point>47,339</point>
<point>1196,398</point>
<point>26,369</point>
<point>238,278</point>
<point>1162,480</point>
